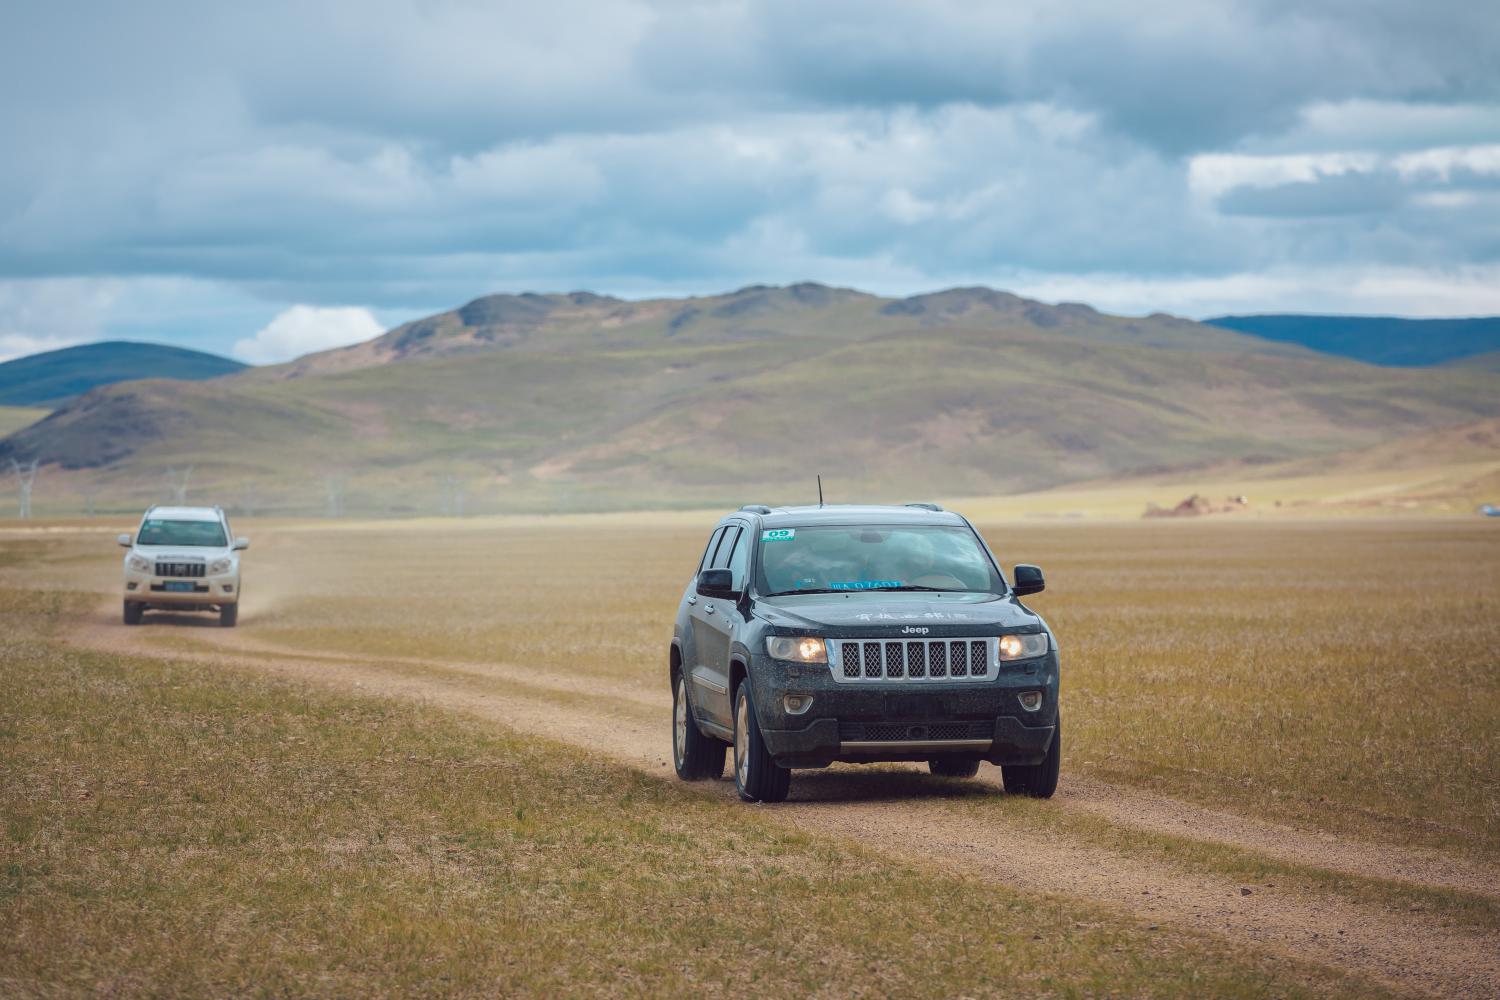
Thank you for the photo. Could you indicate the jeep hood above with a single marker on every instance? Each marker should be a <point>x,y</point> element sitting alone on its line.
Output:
<point>886,614</point>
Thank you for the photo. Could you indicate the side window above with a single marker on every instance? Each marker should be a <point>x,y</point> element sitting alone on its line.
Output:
<point>726,546</point>
<point>708,552</point>
<point>739,559</point>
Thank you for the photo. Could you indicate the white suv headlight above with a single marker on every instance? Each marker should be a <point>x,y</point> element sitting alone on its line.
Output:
<point>1022,647</point>
<point>219,566</point>
<point>797,648</point>
<point>140,564</point>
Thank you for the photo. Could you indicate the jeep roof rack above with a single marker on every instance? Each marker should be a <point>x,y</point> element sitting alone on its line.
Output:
<point>756,508</point>
<point>937,508</point>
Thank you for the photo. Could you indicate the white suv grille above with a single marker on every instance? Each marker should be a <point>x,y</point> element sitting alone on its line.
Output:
<point>179,568</point>
<point>855,661</point>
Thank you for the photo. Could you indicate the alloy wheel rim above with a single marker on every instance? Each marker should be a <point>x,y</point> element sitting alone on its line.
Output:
<point>741,735</point>
<point>679,728</point>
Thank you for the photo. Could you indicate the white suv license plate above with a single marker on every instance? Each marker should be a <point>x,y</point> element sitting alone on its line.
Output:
<point>179,587</point>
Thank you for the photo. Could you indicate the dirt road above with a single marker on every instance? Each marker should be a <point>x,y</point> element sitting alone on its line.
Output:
<point>924,820</point>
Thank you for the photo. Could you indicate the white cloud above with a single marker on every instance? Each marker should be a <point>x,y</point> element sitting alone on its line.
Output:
<point>1213,174</point>
<point>45,314</point>
<point>1443,162</point>
<point>1379,291</point>
<point>19,345</point>
<point>222,164</point>
<point>303,329</point>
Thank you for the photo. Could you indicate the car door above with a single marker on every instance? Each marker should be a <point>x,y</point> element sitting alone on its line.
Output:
<point>714,623</point>
<point>692,649</point>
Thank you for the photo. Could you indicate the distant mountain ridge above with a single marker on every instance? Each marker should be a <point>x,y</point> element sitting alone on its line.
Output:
<point>574,320</point>
<point>51,377</point>
<point>1379,340</point>
<point>580,401</point>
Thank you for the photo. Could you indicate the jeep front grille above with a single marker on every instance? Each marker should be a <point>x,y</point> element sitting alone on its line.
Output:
<point>862,660</point>
<point>891,732</point>
<point>180,569</point>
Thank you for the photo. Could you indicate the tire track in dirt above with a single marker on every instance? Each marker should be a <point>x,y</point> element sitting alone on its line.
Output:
<point>1118,804</point>
<point>1409,952</point>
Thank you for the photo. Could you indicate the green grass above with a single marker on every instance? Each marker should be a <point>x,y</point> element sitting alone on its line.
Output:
<point>181,830</point>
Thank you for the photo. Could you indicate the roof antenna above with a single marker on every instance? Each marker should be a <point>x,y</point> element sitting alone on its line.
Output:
<point>820,491</point>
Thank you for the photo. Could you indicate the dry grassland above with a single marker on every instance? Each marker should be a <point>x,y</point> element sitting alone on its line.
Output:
<point>1340,678</point>
<point>171,831</point>
<point>1342,674</point>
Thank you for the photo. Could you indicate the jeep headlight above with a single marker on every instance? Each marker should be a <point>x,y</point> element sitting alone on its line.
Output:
<point>797,648</point>
<point>218,566</point>
<point>140,564</point>
<point>1022,647</point>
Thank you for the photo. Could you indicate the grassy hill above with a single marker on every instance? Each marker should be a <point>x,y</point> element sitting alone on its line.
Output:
<point>1489,362</point>
<point>569,402</point>
<point>54,376</point>
<point>13,418</point>
<point>1380,340</point>
<point>1450,470</point>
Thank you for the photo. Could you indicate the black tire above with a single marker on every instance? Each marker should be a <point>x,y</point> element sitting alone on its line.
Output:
<point>757,777</point>
<point>229,614</point>
<point>1038,781</point>
<point>695,756</point>
<point>133,610</point>
<point>953,767</point>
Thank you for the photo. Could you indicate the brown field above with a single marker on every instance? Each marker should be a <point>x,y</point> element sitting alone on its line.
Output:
<point>454,727</point>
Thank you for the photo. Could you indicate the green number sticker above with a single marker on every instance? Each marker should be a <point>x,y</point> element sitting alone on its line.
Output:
<point>778,534</point>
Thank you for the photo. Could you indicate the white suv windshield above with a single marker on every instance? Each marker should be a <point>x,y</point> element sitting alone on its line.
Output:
<point>837,558</point>
<point>199,533</point>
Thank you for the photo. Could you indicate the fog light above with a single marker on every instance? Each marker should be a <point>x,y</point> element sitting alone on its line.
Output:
<point>131,585</point>
<point>796,704</point>
<point>228,588</point>
<point>1031,700</point>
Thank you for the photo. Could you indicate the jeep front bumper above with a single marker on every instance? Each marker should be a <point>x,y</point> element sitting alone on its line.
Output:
<point>895,721</point>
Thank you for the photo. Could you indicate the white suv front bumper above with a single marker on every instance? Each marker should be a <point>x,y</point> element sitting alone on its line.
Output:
<point>176,591</point>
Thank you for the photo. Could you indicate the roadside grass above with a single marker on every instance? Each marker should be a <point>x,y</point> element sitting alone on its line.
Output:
<point>1339,675</point>
<point>1344,676</point>
<point>1247,867</point>
<point>180,829</point>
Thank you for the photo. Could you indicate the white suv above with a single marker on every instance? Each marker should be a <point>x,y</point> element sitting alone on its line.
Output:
<point>183,559</point>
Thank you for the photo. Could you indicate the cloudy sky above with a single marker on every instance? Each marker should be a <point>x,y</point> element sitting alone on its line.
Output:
<point>268,178</point>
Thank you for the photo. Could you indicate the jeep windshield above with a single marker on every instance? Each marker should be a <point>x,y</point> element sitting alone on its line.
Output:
<point>208,534</point>
<point>833,559</point>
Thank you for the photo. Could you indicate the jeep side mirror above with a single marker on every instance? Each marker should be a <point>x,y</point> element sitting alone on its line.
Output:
<point>716,583</point>
<point>1028,580</point>
<point>240,544</point>
<point>124,540</point>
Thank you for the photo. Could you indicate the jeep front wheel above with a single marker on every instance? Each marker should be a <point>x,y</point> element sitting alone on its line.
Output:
<point>1038,781</point>
<point>695,756</point>
<point>132,612</point>
<point>228,615</point>
<point>756,775</point>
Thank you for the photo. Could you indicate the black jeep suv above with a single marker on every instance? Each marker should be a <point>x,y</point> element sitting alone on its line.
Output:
<point>810,635</point>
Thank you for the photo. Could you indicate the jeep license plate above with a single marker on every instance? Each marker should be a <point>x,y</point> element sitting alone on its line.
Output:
<point>179,586</point>
<point>898,706</point>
